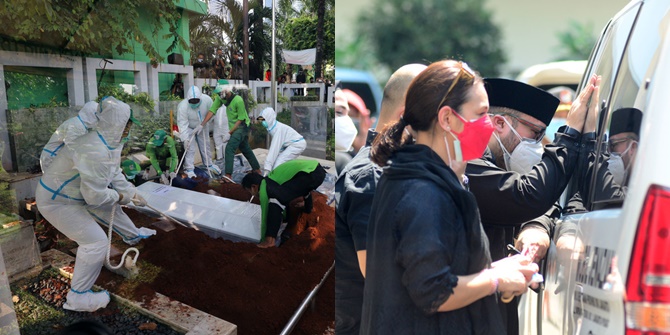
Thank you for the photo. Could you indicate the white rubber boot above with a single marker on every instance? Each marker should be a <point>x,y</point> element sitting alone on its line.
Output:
<point>88,301</point>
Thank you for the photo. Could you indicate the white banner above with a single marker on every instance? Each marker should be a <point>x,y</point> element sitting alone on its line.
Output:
<point>300,57</point>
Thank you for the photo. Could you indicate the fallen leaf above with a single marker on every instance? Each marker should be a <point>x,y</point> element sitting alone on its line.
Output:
<point>148,326</point>
<point>15,299</point>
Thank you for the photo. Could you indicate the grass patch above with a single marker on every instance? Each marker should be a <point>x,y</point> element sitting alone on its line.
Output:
<point>147,274</point>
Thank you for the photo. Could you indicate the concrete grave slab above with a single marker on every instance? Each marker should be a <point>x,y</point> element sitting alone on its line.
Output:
<point>8,322</point>
<point>175,314</point>
<point>20,250</point>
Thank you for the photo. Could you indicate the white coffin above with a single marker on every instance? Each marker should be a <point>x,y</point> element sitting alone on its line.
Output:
<point>214,215</point>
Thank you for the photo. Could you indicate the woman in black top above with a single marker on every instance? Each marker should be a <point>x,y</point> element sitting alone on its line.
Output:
<point>428,264</point>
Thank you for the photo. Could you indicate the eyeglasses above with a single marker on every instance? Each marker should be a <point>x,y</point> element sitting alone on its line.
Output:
<point>466,71</point>
<point>614,143</point>
<point>538,130</point>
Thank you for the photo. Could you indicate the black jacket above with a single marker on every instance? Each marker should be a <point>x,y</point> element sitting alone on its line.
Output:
<point>507,199</point>
<point>423,233</point>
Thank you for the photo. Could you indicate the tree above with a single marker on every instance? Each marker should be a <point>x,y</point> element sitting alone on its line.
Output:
<point>92,26</point>
<point>320,23</point>
<point>227,29</point>
<point>300,33</point>
<point>323,10</point>
<point>576,42</point>
<point>423,31</point>
<point>202,35</point>
<point>260,37</point>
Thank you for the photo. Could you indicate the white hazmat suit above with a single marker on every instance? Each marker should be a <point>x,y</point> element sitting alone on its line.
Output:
<point>68,131</point>
<point>190,117</point>
<point>221,131</point>
<point>73,194</point>
<point>286,144</point>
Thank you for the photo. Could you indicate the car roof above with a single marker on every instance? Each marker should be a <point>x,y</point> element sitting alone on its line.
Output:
<point>563,73</point>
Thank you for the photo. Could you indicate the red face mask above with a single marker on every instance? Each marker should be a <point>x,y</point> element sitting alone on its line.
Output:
<point>473,140</point>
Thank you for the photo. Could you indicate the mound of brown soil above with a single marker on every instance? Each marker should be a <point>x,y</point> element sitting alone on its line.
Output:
<point>256,289</point>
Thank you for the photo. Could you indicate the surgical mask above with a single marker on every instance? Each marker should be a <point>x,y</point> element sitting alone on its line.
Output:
<point>345,133</point>
<point>471,142</point>
<point>200,60</point>
<point>527,153</point>
<point>265,124</point>
<point>195,106</point>
<point>616,166</point>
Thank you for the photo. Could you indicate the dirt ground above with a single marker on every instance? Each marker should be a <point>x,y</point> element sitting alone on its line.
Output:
<point>256,289</point>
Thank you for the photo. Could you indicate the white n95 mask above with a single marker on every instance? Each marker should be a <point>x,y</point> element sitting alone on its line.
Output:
<point>527,153</point>
<point>616,167</point>
<point>345,133</point>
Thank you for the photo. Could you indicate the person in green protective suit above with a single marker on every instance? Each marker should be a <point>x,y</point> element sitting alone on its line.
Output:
<point>133,173</point>
<point>289,184</point>
<point>238,123</point>
<point>162,152</point>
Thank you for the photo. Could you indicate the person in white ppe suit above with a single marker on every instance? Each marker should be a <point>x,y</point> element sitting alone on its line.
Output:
<point>287,144</point>
<point>68,131</point>
<point>221,132</point>
<point>193,115</point>
<point>84,184</point>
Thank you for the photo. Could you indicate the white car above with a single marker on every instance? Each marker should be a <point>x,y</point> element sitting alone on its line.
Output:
<point>614,277</point>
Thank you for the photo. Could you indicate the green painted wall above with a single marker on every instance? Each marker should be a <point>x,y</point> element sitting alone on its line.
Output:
<point>35,86</point>
<point>41,86</point>
<point>187,8</point>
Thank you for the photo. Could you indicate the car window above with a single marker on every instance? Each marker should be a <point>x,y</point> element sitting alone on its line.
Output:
<point>619,126</point>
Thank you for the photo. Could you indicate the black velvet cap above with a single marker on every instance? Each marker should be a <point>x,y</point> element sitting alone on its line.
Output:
<point>522,97</point>
<point>626,120</point>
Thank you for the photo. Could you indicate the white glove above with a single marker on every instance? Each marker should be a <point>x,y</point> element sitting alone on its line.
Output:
<point>123,200</point>
<point>197,129</point>
<point>266,173</point>
<point>138,200</point>
<point>164,179</point>
<point>144,174</point>
<point>173,175</point>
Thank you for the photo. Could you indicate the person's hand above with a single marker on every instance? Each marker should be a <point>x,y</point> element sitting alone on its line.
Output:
<point>594,108</point>
<point>231,131</point>
<point>173,175</point>
<point>123,200</point>
<point>138,200</point>
<point>197,129</point>
<point>144,174</point>
<point>577,114</point>
<point>569,248</point>
<point>164,179</point>
<point>533,242</point>
<point>298,202</point>
<point>513,275</point>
